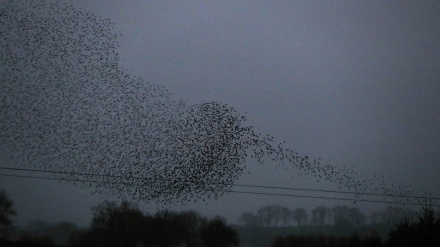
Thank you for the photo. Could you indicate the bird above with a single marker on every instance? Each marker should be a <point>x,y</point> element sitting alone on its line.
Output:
<point>68,106</point>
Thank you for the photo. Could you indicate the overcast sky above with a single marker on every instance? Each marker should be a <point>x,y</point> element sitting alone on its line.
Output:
<point>353,82</point>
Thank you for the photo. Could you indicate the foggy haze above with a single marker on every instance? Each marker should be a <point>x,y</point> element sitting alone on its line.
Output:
<point>355,83</point>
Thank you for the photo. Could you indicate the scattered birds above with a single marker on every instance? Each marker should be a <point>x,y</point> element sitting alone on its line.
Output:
<point>67,105</point>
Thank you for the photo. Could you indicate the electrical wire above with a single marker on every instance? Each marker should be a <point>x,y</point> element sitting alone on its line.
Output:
<point>229,191</point>
<point>237,185</point>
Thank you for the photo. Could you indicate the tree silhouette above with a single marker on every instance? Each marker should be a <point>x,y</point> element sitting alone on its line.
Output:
<point>425,231</point>
<point>341,214</point>
<point>300,216</point>
<point>251,220</point>
<point>124,225</point>
<point>7,212</point>
<point>285,215</point>
<point>192,225</point>
<point>342,221</point>
<point>117,225</point>
<point>269,215</point>
<point>392,216</point>
<point>167,229</point>
<point>320,215</point>
<point>217,234</point>
<point>356,217</point>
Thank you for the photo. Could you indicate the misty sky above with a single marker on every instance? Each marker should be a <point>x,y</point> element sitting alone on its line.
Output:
<point>353,82</point>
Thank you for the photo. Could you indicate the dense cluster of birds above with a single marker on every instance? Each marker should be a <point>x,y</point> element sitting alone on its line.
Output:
<point>67,105</point>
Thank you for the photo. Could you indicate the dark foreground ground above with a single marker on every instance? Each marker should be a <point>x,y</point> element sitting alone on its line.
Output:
<point>7,243</point>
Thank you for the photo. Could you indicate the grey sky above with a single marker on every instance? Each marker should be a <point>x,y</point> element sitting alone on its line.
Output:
<point>353,82</point>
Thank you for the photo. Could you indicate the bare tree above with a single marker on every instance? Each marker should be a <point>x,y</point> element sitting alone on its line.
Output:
<point>192,223</point>
<point>216,233</point>
<point>286,215</point>
<point>319,215</point>
<point>423,231</point>
<point>265,215</point>
<point>300,216</point>
<point>269,214</point>
<point>392,216</point>
<point>345,215</point>
<point>273,215</point>
<point>7,212</point>
<point>341,214</point>
<point>251,220</point>
<point>356,216</point>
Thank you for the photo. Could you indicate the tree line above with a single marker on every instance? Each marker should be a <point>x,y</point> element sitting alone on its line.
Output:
<point>123,225</point>
<point>279,226</point>
<point>424,230</point>
<point>275,215</point>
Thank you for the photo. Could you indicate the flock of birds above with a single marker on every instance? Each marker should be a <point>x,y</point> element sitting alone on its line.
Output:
<point>66,105</point>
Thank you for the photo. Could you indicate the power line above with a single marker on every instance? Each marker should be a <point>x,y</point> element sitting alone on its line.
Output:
<point>337,191</point>
<point>61,179</point>
<point>330,198</point>
<point>231,191</point>
<point>237,185</point>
